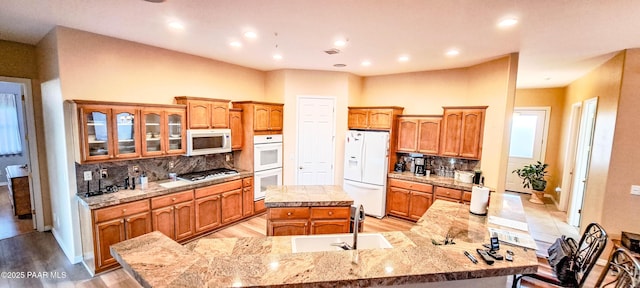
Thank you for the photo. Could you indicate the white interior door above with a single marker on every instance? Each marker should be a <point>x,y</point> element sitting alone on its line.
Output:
<point>316,140</point>
<point>528,142</point>
<point>583,159</point>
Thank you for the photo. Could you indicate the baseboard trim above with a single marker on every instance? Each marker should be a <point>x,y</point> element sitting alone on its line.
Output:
<point>4,183</point>
<point>70,257</point>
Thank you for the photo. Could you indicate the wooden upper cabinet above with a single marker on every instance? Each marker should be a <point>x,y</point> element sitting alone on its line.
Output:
<point>407,134</point>
<point>419,133</point>
<point>163,131</point>
<point>429,135</point>
<point>235,124</point>
<point>205,113</point>
<point>267,117</point>
<point>96,139</point>
<point>374,118</point>
<point>462,132</point>
<point>358,118</point>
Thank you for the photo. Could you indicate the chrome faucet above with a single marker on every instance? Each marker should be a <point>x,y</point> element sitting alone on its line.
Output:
<point>356,222</point>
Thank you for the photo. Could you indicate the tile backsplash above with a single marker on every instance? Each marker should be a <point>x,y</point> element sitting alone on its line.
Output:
<point>155,169</point>
<point>448,163</point>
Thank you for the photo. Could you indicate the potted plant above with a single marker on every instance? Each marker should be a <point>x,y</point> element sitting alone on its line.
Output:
<point>532,176</point>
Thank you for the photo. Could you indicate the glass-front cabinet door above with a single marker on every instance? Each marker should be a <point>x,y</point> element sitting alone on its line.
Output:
<point>96,138</point>
<point>152,132</point>
<point>176,133</point>
<point>126,132</point>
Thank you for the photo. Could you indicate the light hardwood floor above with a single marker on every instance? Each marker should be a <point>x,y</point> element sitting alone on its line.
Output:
<point>40,252</point>
<point>10,225</point>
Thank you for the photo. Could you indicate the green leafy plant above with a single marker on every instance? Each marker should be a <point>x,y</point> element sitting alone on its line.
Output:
<point>532,176</point>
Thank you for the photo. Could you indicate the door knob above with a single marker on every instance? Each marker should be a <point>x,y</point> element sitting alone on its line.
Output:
<point>300,168</point>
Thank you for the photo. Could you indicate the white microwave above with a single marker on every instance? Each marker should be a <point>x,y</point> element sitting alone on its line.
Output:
<point>208,141</point>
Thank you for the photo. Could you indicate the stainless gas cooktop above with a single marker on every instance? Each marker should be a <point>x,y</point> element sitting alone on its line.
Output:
<point>208,175</point>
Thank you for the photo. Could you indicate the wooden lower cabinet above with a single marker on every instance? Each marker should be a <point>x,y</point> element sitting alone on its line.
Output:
<point>307,220</point>
<point>173,215</point>
<point>118,223</point>
<point>448,194</point>
<point>398,201</point>
<point>419,202</point>
<point>408,199</point>
<point>207,213</point>
<point>287,227</point>
<point>231,206</point>
<point>247,196</point>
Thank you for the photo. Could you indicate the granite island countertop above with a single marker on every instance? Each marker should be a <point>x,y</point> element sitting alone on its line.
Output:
<point>153,189</point>
<point>157,261</point>
<point>306,196</point>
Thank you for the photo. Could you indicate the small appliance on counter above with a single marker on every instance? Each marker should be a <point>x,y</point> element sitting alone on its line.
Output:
<point>464,176</point>
<point>399,167</point>
<point>479,200</point>
<point>631,241</point>
<point>419,166</point>
<point>477,175</point>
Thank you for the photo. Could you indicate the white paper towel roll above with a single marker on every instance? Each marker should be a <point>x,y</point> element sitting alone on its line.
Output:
<point>479,200</point>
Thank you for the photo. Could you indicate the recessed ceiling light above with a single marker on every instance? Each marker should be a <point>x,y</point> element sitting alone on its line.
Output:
<point>507,22</point>
<point>340,43</point>
<point>250,35</point>
<point>235,44</point>
<point>366,63</point>
<point>155,1</point>
<point>277,56</point>
<point>175,24</point>
<point>403,58</point>
<point>339,65</point>
<point>452,52</point>
<point>547,78</point>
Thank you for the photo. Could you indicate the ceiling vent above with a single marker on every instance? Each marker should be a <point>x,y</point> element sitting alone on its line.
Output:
<point>332,51</point>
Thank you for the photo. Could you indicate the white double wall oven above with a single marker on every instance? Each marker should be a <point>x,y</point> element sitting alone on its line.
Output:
<point>267,163</point>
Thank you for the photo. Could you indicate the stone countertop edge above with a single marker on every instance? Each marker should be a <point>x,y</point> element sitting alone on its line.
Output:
<point>306,196</point>
<point>434,180</point>
<point>157,261</point>
<point>153,189</point>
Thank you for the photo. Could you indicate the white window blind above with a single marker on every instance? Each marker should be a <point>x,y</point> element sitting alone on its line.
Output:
<point>10,143</point>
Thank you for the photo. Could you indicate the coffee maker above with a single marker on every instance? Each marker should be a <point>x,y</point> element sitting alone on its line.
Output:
<point>420,166</point>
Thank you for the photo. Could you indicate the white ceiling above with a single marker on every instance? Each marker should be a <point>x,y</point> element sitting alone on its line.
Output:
<point>558,40</point>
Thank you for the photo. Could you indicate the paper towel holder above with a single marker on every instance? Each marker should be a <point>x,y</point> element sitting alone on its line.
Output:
<point>479,203</point>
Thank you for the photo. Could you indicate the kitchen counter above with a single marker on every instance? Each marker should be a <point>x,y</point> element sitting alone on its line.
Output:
<point>157,261</point>
<point>153,189</point>
<point>433,180</point>
<point>306,196</point>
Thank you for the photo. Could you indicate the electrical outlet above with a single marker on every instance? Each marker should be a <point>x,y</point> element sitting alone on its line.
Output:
<point>135,169</point>
<point>103,173</point>
<point>635,190</point>
<point>228,157</point>
<point>87,175</point>
<point>171,164</point>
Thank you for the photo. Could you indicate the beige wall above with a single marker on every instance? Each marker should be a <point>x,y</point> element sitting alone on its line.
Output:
<point>340,85</point>
<point>20,61</point>
<point>553,98</point>
<point>604,83</point>
<point>620,209</point>
<point>112,69</point>
<point>491,83</point>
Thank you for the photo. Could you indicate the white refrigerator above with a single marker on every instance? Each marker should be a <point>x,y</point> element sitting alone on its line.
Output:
<point>366,163</point>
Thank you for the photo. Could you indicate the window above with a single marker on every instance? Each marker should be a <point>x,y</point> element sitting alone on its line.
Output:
<point>10,143</point>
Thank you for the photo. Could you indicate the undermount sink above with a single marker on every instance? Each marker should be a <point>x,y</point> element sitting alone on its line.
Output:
<point>174,184</point>
<point>318,243</point>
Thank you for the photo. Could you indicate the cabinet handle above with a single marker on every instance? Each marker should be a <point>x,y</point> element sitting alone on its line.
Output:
<point>121,221</point>
<point>170,208</point>
<point>124,210</point>
<point>448,192</point>
<point>128,220</point>
<point>173,199</point>
<point>288,213</point>
<point>330,213</point>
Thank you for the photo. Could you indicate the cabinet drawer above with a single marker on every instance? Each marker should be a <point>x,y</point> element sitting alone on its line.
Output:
<point>330,212</point>
<point>288,213</point>
<point>123,210</point>
<point>428,188</point>
<point>466,196</point>
<point>171,199</point>
<point>218,188</point>
<point>246,182</point>
<point>449,193</point>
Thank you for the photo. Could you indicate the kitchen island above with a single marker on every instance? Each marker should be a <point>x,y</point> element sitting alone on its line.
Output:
<point>304,210</point>
<point>157,261</point>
